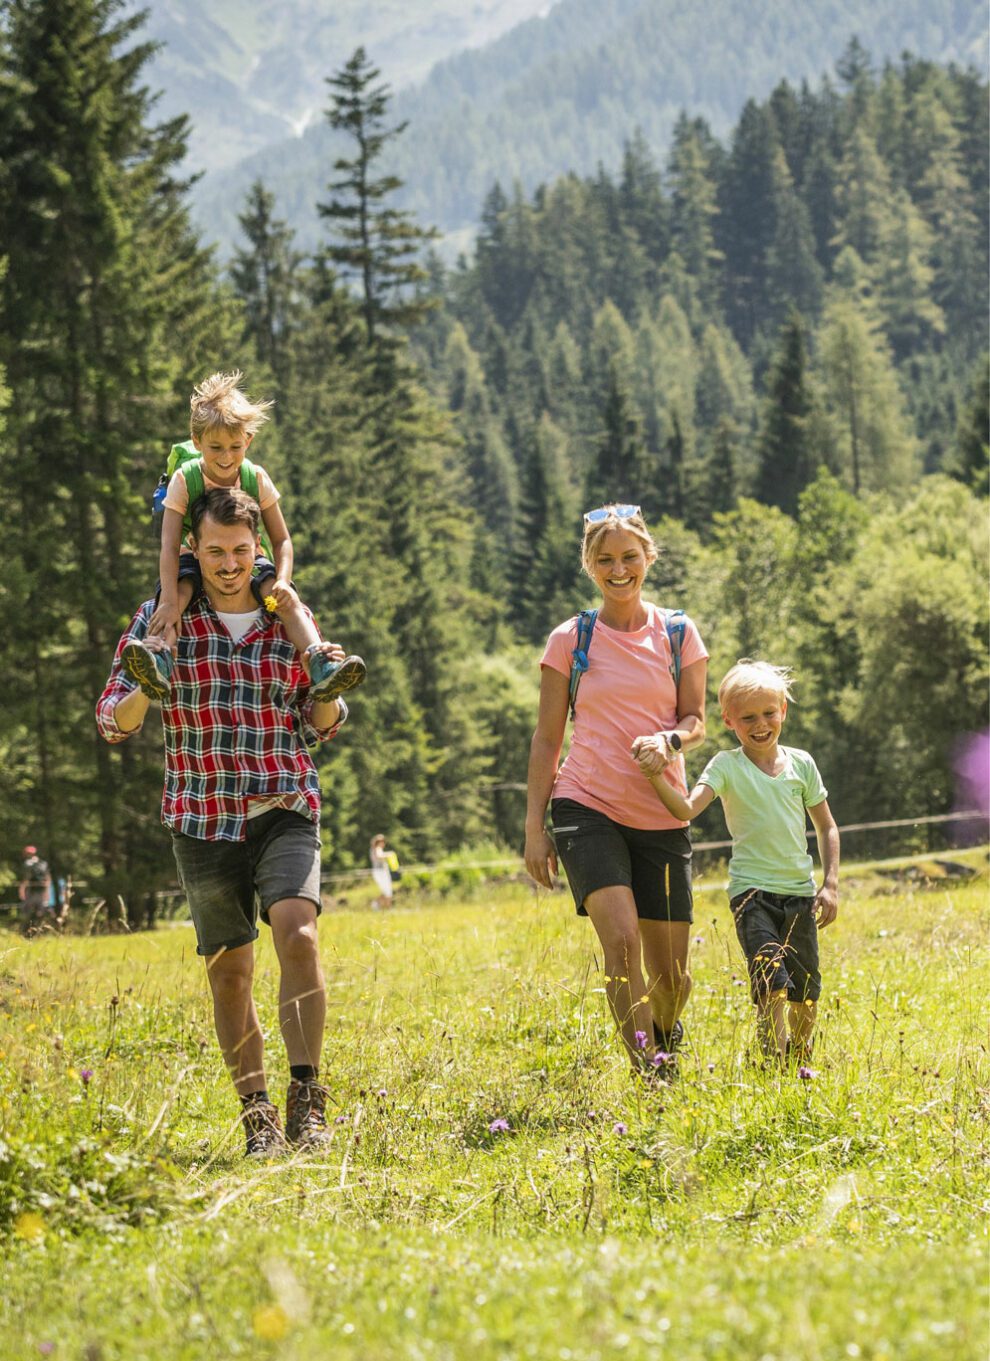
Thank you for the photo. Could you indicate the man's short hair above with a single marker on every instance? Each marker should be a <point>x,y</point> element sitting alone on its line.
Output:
<point>225,506</point>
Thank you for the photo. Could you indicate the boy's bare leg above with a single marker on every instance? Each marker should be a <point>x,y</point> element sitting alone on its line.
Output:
<point>801,1020</point>
<point>771,1024</point>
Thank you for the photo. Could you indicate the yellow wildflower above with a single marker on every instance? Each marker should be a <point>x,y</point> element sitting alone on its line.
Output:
<point>29,1226</point>
<point>270,1322</point>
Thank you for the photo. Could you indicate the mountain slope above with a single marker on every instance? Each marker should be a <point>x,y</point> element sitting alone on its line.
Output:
<point>565,91</point>
<point>251,73</point>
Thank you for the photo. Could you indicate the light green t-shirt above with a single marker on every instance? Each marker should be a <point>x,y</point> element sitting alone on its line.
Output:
<point>765,817</point>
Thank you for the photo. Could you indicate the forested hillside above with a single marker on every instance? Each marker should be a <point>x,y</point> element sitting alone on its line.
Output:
<point>775,342</point>
<point>250,73</point>
<point>564,93</point>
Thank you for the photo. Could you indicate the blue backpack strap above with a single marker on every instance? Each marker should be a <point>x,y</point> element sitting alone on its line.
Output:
<point>674,622</point>
<point>579,665</point>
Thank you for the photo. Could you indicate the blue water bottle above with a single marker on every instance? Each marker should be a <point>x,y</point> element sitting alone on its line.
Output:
<point>158,505</point>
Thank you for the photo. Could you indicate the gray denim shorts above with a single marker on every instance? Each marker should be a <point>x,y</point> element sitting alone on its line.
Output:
<point>226,882</point>
<point>779,936</point>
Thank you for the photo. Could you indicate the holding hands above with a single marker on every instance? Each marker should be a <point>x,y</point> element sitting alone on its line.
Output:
<point>653,754</point>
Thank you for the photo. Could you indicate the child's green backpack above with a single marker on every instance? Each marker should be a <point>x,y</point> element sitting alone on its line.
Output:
<point>186,457</point>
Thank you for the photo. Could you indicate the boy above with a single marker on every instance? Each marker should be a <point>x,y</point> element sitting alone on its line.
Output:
<point>223,422</point>
<point>765,789</point>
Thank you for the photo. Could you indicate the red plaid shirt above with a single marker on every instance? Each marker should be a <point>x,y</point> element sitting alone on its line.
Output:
<point>237,723</point>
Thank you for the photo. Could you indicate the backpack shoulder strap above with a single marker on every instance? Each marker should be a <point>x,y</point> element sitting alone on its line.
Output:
<point>249,479</point>
<point>195,486</point>
<point>673,622</point>
<point>579,665</point>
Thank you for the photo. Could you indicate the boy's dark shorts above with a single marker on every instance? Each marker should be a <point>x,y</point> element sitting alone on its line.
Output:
<point>225,881</point>
<point>189,571</point>
<point>599,853</point>
<point>779,936</point>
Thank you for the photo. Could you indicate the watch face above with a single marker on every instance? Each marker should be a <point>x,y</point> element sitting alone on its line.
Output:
<point>675,740</point>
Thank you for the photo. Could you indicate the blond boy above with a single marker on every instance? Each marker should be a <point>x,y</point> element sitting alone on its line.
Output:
<point>765,789</point>
<point>223,421</point>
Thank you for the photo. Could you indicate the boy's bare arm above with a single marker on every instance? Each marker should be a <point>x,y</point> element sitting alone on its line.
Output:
<point>278,533</point>
<point>687,809</point>
<point>827,898</point>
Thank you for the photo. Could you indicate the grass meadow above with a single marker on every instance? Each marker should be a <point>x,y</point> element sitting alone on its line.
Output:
<point>737,1215</point>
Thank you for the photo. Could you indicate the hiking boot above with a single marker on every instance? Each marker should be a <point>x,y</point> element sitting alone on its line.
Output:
<point>263,1130</point>
<point>152,670</point>
<point>665,1059</point>
<point>305,1117</point>
<point>329,679</point>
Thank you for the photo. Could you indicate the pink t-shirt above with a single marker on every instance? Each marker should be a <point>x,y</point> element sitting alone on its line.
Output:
<point>177,496</point>
<point>627,692</point>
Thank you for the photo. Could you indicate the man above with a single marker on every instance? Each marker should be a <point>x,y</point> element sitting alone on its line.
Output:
<point>242,801</point>
<point>34,891</point>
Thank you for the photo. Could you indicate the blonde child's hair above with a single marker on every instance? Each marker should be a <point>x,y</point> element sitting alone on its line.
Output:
<point>594,533</point>
<point>218,403</point>
<point>748,676</point>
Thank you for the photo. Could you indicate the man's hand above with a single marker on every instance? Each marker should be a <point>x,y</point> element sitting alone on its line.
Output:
<point>541,858</point>
<point>826,905</point>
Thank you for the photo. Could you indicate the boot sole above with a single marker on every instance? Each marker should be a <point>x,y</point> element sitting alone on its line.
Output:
<point>350,673</point>
<point>140,666</point>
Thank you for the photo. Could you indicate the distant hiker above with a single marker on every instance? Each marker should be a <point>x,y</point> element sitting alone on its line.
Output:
<point>34,891</point>
<point>765,790</point>
<point>242,801</point>
<point>628,862</point>
<point>223,422</point>
<point>382,862</point>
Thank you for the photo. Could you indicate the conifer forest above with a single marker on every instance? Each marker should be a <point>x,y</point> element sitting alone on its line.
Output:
<point>775,341</point>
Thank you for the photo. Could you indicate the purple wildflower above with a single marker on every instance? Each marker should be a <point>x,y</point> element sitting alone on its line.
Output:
<point>640,1039</point>
<point>383,1092</point>
<point>499,1126</point>
<point>661,1059</point>
<point>619,1127</point>
<point>86,1076</point>
<point>806,1074</point>
<point>341,1120</point>
<point>46,1348</point>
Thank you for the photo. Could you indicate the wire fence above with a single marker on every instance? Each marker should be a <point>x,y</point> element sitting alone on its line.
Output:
<point>903,839</point>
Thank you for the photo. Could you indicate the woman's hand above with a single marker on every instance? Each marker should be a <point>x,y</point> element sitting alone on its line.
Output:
<point>541,858</point>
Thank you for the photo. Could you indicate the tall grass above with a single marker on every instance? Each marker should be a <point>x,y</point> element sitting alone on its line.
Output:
<point>497,1185</point>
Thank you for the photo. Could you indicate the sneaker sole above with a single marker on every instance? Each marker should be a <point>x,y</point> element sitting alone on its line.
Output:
<point>352,672</point>
<point>141,668</point>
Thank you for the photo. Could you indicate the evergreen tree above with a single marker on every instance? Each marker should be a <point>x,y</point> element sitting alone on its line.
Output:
<point>265,279</point>
<point>107,303</point>
<point>972,462</point>
<point>784,449</point>
<point>376,243</point>
<point>694,210</point>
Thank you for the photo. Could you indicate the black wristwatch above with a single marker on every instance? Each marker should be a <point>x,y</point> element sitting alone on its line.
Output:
<point>674,738</point>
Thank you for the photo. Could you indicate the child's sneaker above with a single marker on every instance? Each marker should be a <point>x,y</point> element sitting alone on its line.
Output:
<point>665,1059</point>
<point>305,1114</point>
<point>329,679</point>
<point>263,1130</point>
<point>152,670</point>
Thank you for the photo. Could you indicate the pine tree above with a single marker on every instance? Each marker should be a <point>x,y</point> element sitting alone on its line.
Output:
<point>694,210</point>
<point>265,279</point>
<point>784,448</point>
<point>376,244</point>
<point>107,304</point>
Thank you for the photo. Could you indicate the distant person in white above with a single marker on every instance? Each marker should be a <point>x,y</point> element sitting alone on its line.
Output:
<point>381,872</point>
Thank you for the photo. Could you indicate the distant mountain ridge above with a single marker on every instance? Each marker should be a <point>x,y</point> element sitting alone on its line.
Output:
<point>250,73</point>
<point>565,91</point>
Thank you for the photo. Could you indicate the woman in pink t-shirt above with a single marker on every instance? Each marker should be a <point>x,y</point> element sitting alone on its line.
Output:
<point>628,861</point>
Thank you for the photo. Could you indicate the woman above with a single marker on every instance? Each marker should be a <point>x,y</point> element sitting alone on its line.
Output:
<point>628,860</point>
<point>381,872</point>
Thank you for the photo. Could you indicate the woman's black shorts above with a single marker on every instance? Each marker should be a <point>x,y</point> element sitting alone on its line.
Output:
<point>599,853</point>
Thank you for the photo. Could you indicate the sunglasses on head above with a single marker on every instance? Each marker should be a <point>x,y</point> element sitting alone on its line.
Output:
<point>595,517</point>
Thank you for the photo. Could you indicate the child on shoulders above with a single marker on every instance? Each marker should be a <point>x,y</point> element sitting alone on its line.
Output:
<point>223,422</point>
<point>765,790</point>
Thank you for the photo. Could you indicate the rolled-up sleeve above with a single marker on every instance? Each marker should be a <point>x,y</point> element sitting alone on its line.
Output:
<point>119,685</point>
<point>311,734</point>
